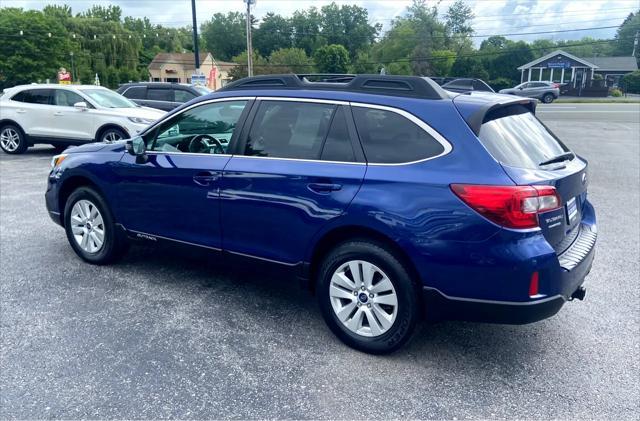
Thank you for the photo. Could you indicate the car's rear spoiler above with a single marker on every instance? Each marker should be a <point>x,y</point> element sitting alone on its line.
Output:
<point>474,109</point>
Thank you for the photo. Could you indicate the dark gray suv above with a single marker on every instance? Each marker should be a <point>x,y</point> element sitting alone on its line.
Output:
<point>161,95</point>
<point>544,91</point>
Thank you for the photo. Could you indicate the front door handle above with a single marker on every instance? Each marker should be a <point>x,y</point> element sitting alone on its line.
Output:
<point>323,188</point>
<point>205,178</point>
<point>21,111</point>
<point>58,113</point>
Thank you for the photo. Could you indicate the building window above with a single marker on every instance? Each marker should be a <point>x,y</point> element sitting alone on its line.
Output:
<point>156,79</point>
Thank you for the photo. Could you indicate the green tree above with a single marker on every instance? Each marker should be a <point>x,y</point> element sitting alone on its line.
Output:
<point>332,58</point>
<point>458,25</point>
<point>625,35</point>
<point>34,56</point>
<point>225,35</point>
<point>290,60</point>
<point>363,63</point>
<point>306,26</point>
<point>347,25</point>
<point>469,66</point>
<point>260,65</point>
<point>110,13</point>
<point>442,62</point>
<point>274,33</point>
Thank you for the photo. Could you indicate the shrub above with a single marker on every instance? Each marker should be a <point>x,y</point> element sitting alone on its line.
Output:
<point>616,92</point>
<point>631,82</point>
<point>501,83</point>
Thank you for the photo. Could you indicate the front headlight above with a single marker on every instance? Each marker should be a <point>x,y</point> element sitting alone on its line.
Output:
<point>57,160</point>
<point>140,120</point>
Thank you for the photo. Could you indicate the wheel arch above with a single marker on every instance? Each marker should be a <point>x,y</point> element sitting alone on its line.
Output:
<point>69,185</point>
<point>107,126</point>
<point>5,121</point>
<point>352,232</point>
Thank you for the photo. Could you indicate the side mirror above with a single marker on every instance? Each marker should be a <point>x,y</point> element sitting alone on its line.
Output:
<point>521,88</point>
<point>136,146</point>
<point>82,106</point>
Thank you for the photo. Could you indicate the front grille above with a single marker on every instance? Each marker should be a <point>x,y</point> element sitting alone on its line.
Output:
<point>583,244</point>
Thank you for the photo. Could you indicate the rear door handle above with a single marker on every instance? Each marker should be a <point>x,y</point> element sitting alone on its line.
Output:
<point>205,178</point>
<point>21,111</point>
<point>323,187</point>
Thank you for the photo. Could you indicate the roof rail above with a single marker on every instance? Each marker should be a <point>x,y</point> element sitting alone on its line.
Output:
<point>407,86</point>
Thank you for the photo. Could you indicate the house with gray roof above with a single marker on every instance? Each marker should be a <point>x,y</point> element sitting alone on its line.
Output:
<point>577,72</point>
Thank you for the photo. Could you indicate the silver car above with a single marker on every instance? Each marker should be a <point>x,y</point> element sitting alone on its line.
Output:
<point>544,91</point>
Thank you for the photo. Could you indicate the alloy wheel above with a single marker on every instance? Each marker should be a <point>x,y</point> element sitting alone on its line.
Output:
<point>87,226</point>
<point>112,137</point>
<point>363,298</point>
<point>10,139</point>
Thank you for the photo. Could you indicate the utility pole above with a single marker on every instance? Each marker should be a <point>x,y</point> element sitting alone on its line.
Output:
<point>195,36</point>
<point>249,46</point>
<point>635,44</point>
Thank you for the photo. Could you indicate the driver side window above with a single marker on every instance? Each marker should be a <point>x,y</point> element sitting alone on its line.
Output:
<point>204,129</point>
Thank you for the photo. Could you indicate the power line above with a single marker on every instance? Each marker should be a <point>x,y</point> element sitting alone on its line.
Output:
<point>295,34</point>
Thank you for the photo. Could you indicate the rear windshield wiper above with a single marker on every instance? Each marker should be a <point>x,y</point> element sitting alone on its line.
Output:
<point>567,156</point>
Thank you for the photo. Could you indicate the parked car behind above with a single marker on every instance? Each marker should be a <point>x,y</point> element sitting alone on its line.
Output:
<point>467,85</point>
<point>63,115</point>
<point>544,91</point>
<point>161,95</point>
<point>441,80</point>
<point>367,190</point>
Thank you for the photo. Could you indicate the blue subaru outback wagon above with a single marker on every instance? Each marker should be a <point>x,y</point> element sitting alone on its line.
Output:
<point>390,197</point>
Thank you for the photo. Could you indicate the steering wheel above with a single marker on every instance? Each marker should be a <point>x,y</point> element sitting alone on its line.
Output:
<point>200,144</point>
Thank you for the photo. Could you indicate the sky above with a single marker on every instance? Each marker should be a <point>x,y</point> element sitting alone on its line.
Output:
<point>492,16</point>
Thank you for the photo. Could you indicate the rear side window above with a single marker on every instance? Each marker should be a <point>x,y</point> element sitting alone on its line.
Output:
<point>159,94</point>
<point>285,129</point>
<point>34,96</point>
<point>182,95</point>
<point>136,92</point>
<point>515,137</point>
<point>390,138</point>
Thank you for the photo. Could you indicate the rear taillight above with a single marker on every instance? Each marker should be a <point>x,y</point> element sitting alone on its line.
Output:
<point>510,206</point>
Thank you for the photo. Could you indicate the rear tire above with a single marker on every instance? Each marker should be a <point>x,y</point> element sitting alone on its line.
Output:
<point>91,229</point>
<point>375,314</point>
<point>548,98</point>
<point>12,139</point>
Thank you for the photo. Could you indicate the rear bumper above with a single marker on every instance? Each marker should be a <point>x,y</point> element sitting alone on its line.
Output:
<point>438,306</point>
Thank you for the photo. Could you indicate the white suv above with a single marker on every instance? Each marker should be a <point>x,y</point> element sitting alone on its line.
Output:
<point>63,115</point>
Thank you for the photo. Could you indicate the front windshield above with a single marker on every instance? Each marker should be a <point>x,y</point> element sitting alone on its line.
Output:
<point>202,90</point>
<point>108,99</point>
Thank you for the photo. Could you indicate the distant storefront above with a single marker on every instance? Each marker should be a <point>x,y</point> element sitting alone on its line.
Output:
<point>180,68</point>
<point>579,75</point>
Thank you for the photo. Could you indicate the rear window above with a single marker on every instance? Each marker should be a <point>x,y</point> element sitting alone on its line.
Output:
<point>136,92</point>
<point>515,137</point>
<point>389,138</point>
<point>34,96</point>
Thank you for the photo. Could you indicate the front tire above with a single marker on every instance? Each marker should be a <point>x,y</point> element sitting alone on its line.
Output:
<point>367,297</point>
<point>91,229</point>
<point>548,98</point>
<point>12,140</point>
<point>112,134</point>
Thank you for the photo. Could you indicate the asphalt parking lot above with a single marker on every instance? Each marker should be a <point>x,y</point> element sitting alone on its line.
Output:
<point>170,333</point>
